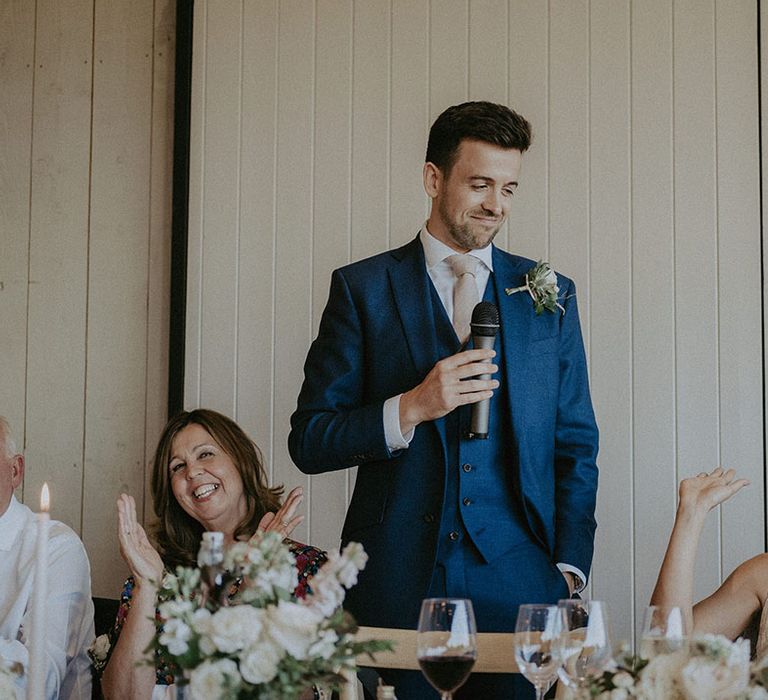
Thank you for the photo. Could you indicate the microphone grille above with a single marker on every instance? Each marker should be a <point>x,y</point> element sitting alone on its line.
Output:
<point>485,319</point>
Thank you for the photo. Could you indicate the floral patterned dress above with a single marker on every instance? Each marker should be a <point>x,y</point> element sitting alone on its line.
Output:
<point>308,560</point>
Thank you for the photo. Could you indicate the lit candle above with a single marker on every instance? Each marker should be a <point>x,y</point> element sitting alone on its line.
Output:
<point>36,669</point>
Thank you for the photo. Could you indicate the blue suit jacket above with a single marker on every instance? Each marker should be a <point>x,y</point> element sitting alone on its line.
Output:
<point>377,339</point>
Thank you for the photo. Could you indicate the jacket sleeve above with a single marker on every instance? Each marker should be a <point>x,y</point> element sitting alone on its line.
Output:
<point>336,425</point>
<point>576,445</point>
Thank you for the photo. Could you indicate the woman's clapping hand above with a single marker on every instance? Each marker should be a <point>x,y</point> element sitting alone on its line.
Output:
<point>135,548</point>
<point>705,491</point>
<point>285,521</point>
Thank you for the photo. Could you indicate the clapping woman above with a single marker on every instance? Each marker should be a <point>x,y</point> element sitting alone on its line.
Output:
<point>728,610</point>
<point>207,475</point>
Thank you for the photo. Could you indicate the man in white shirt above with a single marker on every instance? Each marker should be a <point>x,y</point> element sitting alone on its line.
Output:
<point>69,609</point>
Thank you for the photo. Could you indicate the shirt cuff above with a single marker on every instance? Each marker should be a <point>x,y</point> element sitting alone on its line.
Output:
<point>582,582</point>
<point>392,433</point>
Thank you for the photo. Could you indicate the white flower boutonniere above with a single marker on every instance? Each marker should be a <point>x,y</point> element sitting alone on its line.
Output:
<point>541,284</point>
<point>99,651</point>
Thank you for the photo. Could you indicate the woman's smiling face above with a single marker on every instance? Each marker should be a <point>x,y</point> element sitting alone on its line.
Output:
<point>205,481</point>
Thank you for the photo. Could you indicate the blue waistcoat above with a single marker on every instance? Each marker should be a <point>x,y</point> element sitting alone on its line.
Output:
<point>482,504</point>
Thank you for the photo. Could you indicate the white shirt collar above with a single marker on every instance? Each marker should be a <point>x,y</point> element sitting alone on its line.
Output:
<point>11,522</point>
<point>435,251</point>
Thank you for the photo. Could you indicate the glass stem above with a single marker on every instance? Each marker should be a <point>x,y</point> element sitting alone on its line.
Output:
<point>446,695</point>
<point>540,690</point>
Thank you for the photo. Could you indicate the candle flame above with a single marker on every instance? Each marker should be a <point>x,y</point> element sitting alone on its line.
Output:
<point>45,498</point>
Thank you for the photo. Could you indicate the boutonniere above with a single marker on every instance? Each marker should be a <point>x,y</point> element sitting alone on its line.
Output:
<point>541,284</point>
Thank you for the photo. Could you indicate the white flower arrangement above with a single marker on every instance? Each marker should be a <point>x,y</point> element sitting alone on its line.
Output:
<point>711,668</point>
<point>261,642</point>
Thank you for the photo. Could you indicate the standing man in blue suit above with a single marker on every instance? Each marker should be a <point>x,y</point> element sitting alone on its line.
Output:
<point>389,383</point>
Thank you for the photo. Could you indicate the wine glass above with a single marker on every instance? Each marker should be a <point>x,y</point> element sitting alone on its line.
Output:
<point>537,648</point>
<point>585,644</point>
<point>446,643</point>
<point>664,631</point>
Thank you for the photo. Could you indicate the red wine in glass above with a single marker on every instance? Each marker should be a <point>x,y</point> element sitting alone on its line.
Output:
<point>447,673</point>
<point>446,644</point>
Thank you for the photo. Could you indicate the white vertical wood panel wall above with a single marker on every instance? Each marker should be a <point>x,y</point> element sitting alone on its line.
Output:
<point>309,127</point>
<point>86,125</point>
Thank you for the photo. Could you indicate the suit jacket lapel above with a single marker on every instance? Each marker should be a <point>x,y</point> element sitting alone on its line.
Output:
<point>412,293</point>
<point>411,290</point>
<point>515,315</point>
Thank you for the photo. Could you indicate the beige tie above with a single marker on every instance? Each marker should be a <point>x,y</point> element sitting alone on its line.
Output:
<point>465,296</point>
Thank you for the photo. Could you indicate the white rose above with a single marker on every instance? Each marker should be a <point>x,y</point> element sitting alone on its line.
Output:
<point>236,554</point>
<point>623,680</point>
<point>347,574</point>
<point>200,623</point>
<point>325,645</point>
<point>169,580</point>
<point>284,577</point>
<point>353,560</point>
<point>704,679</point>
<point>659,678</point>
<point>175,636</point>
<point>200,620</point>
<point>211,679</point>
<point>550,279</point>
<point>619,694</point>
<point>327,594</point>
<point>234,628</point>
<point>100,647</point>
<point>758,693</point>
<point>259,663</point>
<point>293,626</point>
<point>174,608</point>
<point>254,556</point>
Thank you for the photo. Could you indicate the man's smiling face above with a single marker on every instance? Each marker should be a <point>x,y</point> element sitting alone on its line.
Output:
<point>472,200</point>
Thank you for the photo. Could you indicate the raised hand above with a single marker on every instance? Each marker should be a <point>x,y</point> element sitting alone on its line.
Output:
<point>447,386</point>
<point>705,491</point>
<point>285,521</point>
<point>135,548</point>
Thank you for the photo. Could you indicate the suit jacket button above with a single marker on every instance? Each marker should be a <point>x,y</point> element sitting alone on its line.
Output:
<point>429,518</point>
<point>454,536</point>
<point>466,467</point>
<point>467,501</point>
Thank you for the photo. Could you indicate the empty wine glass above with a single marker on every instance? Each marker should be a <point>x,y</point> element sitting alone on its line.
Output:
<point>585,644</point>
<point>537,644</point>
<point>446,644</point>
<point>664,631</point>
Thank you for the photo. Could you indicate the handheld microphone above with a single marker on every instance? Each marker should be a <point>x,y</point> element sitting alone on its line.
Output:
<point>485,326</point>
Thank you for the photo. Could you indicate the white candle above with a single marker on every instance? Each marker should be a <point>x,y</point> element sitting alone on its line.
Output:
<point>36,669</point>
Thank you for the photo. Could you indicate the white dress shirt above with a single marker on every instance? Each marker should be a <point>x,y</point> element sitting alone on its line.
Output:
<point>443,278</point>
<point>69,608</point>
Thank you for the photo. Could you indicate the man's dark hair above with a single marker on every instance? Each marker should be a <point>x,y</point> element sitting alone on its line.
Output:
<point>481,121</point>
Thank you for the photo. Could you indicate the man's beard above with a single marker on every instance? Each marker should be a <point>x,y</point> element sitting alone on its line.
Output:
<point>464,237</point>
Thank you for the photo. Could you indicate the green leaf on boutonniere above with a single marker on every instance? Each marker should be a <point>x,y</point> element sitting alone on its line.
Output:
<point>541,285</point>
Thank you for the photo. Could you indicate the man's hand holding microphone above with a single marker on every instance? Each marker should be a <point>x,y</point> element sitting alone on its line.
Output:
<point>463,378</point>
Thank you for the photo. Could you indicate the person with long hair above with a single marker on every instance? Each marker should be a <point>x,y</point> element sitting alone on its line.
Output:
<point>207,475</point>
